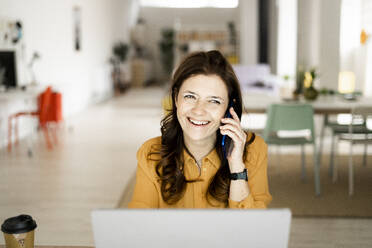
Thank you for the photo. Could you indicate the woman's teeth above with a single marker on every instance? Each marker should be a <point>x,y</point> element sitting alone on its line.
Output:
<point>198,123</point>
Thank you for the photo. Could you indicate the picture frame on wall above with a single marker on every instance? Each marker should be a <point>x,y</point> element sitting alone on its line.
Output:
<point>77,28</point>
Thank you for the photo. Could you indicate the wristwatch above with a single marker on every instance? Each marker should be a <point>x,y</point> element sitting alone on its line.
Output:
<point>241,175</point>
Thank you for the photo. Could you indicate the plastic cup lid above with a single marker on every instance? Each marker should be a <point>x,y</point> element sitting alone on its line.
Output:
<point>19,224</point>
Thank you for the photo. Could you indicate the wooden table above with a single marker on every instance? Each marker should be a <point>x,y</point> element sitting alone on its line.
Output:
<point>324,105</point>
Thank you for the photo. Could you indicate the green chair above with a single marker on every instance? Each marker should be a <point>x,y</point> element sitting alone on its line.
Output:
<point>286,119</point>
<point>336,129</point>
<point>357,132</point>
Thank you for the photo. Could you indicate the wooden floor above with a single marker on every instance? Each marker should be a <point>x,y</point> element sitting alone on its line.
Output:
<point>91,165</point>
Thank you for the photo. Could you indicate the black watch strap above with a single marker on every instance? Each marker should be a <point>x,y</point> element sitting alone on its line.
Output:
<point>239,176</point>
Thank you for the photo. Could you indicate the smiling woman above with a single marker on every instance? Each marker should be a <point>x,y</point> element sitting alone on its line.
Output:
<point>186,167</point>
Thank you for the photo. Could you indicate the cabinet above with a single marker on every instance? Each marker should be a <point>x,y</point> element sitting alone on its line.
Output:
<point>204,40</point>
<point>141,72</point>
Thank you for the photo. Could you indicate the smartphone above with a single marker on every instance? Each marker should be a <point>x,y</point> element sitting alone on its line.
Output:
<point>226,140</point>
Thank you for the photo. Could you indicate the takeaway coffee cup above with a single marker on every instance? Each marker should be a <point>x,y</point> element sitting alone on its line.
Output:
<point>19,231</point>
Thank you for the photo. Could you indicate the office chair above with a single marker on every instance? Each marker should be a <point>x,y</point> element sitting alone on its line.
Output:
<point>49,110</point>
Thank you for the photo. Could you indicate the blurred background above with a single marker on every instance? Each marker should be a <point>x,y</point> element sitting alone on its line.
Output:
<point>74,41</point>
<point>109,63</point>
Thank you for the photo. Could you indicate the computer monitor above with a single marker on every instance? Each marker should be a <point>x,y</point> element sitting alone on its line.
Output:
<point>8,69</point>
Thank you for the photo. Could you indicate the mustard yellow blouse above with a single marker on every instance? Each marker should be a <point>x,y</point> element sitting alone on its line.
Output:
<point>147,192</point>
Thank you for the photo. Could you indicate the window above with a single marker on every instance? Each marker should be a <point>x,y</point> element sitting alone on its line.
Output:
<point>356,15</point>
<point>190,3</point>
<point>367,26</point>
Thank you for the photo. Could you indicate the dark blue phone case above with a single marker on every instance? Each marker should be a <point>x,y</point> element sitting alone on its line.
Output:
<point>225,137</point>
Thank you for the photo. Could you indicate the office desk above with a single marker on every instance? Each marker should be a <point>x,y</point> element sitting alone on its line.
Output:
<point>13,101</point>
<point>12,94</point>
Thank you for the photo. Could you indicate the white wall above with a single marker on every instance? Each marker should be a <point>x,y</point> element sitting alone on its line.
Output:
<point>287,38</point>
<point>83,77</point>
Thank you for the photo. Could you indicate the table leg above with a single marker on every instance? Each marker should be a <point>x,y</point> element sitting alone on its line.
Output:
<point>322,130</point>
<point>316,173</point>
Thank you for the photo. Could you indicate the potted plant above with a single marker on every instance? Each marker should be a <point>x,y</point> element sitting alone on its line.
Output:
<point>166,46</point>
<point>119,56</point>
<point>310,93</point>
<point>299,81</point>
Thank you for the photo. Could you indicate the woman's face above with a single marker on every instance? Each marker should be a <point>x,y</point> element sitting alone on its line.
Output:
<point>201,104</point>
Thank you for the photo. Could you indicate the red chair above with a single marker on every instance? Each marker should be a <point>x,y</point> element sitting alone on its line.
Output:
<point>49,111</point>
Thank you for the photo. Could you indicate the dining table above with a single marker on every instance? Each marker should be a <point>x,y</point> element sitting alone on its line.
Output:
<point>323,105</point>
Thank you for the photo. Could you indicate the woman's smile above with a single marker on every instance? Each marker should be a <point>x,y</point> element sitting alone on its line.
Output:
<point>197,123</point>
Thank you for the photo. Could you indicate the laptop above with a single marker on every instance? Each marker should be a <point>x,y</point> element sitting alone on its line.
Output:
<point>183,228</point>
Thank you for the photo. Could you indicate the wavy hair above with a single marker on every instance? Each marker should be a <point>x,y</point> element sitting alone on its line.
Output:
<point>170,167</point>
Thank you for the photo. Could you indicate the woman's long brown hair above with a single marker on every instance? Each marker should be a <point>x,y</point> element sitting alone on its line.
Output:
<point>170,167</point>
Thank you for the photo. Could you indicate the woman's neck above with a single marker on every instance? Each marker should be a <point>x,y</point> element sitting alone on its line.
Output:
<point>200,148</point>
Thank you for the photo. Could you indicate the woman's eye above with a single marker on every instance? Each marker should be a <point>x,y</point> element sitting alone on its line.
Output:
<point>215,101</point>
<point>189,97</point>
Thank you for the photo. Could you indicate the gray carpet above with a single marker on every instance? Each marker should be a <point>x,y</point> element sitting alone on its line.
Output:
<point>289,191</point>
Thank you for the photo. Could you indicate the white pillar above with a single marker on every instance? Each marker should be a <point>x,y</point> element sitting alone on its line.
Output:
<point>308,33</point>
<point>330,43</point>
<point>248,31</point>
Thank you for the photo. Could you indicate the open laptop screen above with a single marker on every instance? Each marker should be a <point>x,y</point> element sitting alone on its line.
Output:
<point>191,228</point>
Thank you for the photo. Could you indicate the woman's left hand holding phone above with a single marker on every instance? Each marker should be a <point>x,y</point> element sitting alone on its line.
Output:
<point>233,129</point>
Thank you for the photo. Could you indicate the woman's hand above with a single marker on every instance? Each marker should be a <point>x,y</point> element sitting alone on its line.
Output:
<point>233,129</point>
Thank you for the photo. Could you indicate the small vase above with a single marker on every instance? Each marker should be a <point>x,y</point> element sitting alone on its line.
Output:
<point>310,93</point>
